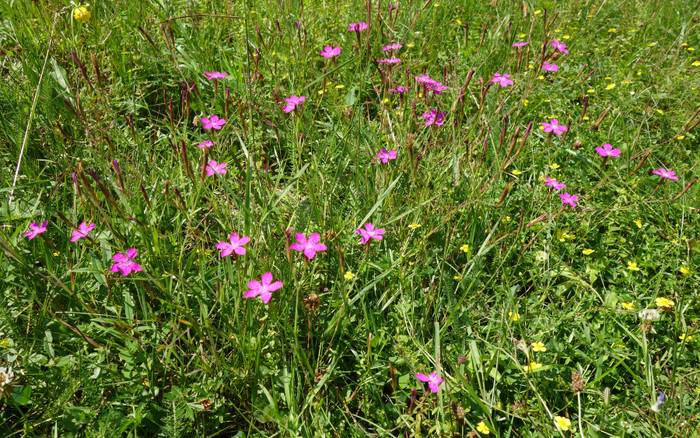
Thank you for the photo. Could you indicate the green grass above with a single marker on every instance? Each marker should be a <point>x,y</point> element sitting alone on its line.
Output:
<point>177,351</point>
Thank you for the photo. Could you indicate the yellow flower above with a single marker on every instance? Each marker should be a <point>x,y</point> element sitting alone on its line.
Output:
<point>696,63</point>
<point>612,30</point>
<point>587,251</point>
<point>465,248</point>
<point>564,235</point>
<point>590,91</point>
<point>562,423</point>
<point>514,316</point>
<point>81,13</point>
<point>410,45</point>
<point>526,102</point>
<point>385,100</point>
<point>566,37</point>
<point>532,367</point>
<point>538,347</point>
<point>516,172</point>
<point>664,303</point>
<point>339,87</point>
<point>684,270</point>
<point>540,77</point>
<point>690,49</point>
<point>610,86</point>
<point>584,118</point>
<point>483,428</point>
<point>638,223</point>
<point>660,111</point>
<point>457,277</point>
<point>554,166</point>
<point>522,35</point>
<point>413,225</point>
<point>507,219</point>
<point>680,137</point>
<point>632,266</point>
<point>538,11</point>
<point>628,305</point>
<point>685,338</point>
<point>349,275</point>
<point>56,253</point>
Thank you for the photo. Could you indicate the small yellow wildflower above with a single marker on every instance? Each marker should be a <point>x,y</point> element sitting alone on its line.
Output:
<point>458,22</point>
<point>465,248</point>
<point>538,347</point>
<point>482,428</point>
<point>522,35</point>
<point>526,102</point>
<point>632,266</point>
<point>680,137</point>
<point>584,118</point>
<point>56,253</point>
<point>457,277</point>
<point>385,100</point>
<point>532,367</point>
<point>629,305</point>
<point>652,44</point>
<point>339,87</point>
<point>690,49</point>
<point>321,91</point>
<point>562,423</point>
<point>538,11</point>
<point>612,30</point>
<point>81,13</point>
<point>588,251</point>
<point>507,219</point>
<point>514,316</point>
<point>516,172</point>
<point>638,223</point>
<point>554,166</point>
<point>696,63</point>
<point>540,77</point>
<point>590,91</point>
<point>530,66</point>
<point>684,270</point>
<point>410,45</point>
<point>660,111</point>
<point>610,87</point>
<point>566,37</point>
<point>685,338</point>
<point>664,303</point>
<point>349,275</point>
<point>413,225</point>
<point>564,235</point>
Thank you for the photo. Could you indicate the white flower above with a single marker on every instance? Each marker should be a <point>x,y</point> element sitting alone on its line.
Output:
<point>6,376</point>
<point>649,315</point>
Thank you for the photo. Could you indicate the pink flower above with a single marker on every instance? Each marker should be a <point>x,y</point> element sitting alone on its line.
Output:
<point>35,229</point>
<point>309,246</point>
<point>665,173</point>
<point>82,231</point>
<point>391,47</point>
<point>292,102</point>
<point>213,168</point>
<point>430,84</point>
<point>357,27</point>
<point>568,199</point>
<point>503,80</point>
<point>397,90</point>
<point>550,67</point>
<point>329,52</point>
<point>369,232</point>
<point>214,75</point>
<point>434,381</point>
<point>433,117</point>
<point>520,44</point>
<point>559,46</point>
<point>607,150</point>
<point>213,122</point>
<point>263,289</point>
<point>385,156</point>
<point>206,144</point>
<point>124,262</point>
<point>235,245</point>
<point>389,61</point>
<point>553,183</point>
<point>554,127</point>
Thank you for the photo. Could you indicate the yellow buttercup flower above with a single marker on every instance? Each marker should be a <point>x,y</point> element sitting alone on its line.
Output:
<point>465,248</point>
<point>680,137</point>
<point>685,338</point>
<point>413,225</point>
<point>554,166</point>
<point>514,316</point>
<point>562,423</point>
<point>349,276</point>
<point>664,303</point>
<point>638,223</point>
<point>696,63</point>
<point>632,266</point>
<point>610,86</point>
<point>588,251</point>
<point>482,428</point>
<point>457,277</point>
<point>532,367</point>
<point>81,13</point>
<point>684,270</point>
<point>628,305</point>
<point>516,172</point>
<point>538,347</point>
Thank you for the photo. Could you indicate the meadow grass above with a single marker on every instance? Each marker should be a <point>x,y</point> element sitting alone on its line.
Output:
<point>541,319</point>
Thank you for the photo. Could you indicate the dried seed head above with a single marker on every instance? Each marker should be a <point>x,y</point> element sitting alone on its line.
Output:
<point>577,383</point>
<point>312,303</point>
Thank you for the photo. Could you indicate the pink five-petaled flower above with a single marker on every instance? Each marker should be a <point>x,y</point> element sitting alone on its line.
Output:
<point>430,84</point>
<point>82,231</point>
<point>235,245</point>
<point>568,199</point>
<point>213,168</point>
<point>550,67</point>
<point>35,229</point>
<point>214,75</point>
<point>309,246</point>
<point>520,44</point>
<point>607,150</point>
<point>329,52</point>
<point>559,46</point>
<point>357,27</point>
<point>124,262</point>
<point>434,117</point>
<point>503,80</point>
<point>385,156</point>
<point>392,60</point>
<point>263,288</point>
<point>369,232</point>
<point>553,183</point>
<point>554,127</point>
<point>292,102</point>
<point>392,47</point>
<point>665,173</point>
<point>213,122</point>
<point>434,381</point>
<point>205,144</point>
